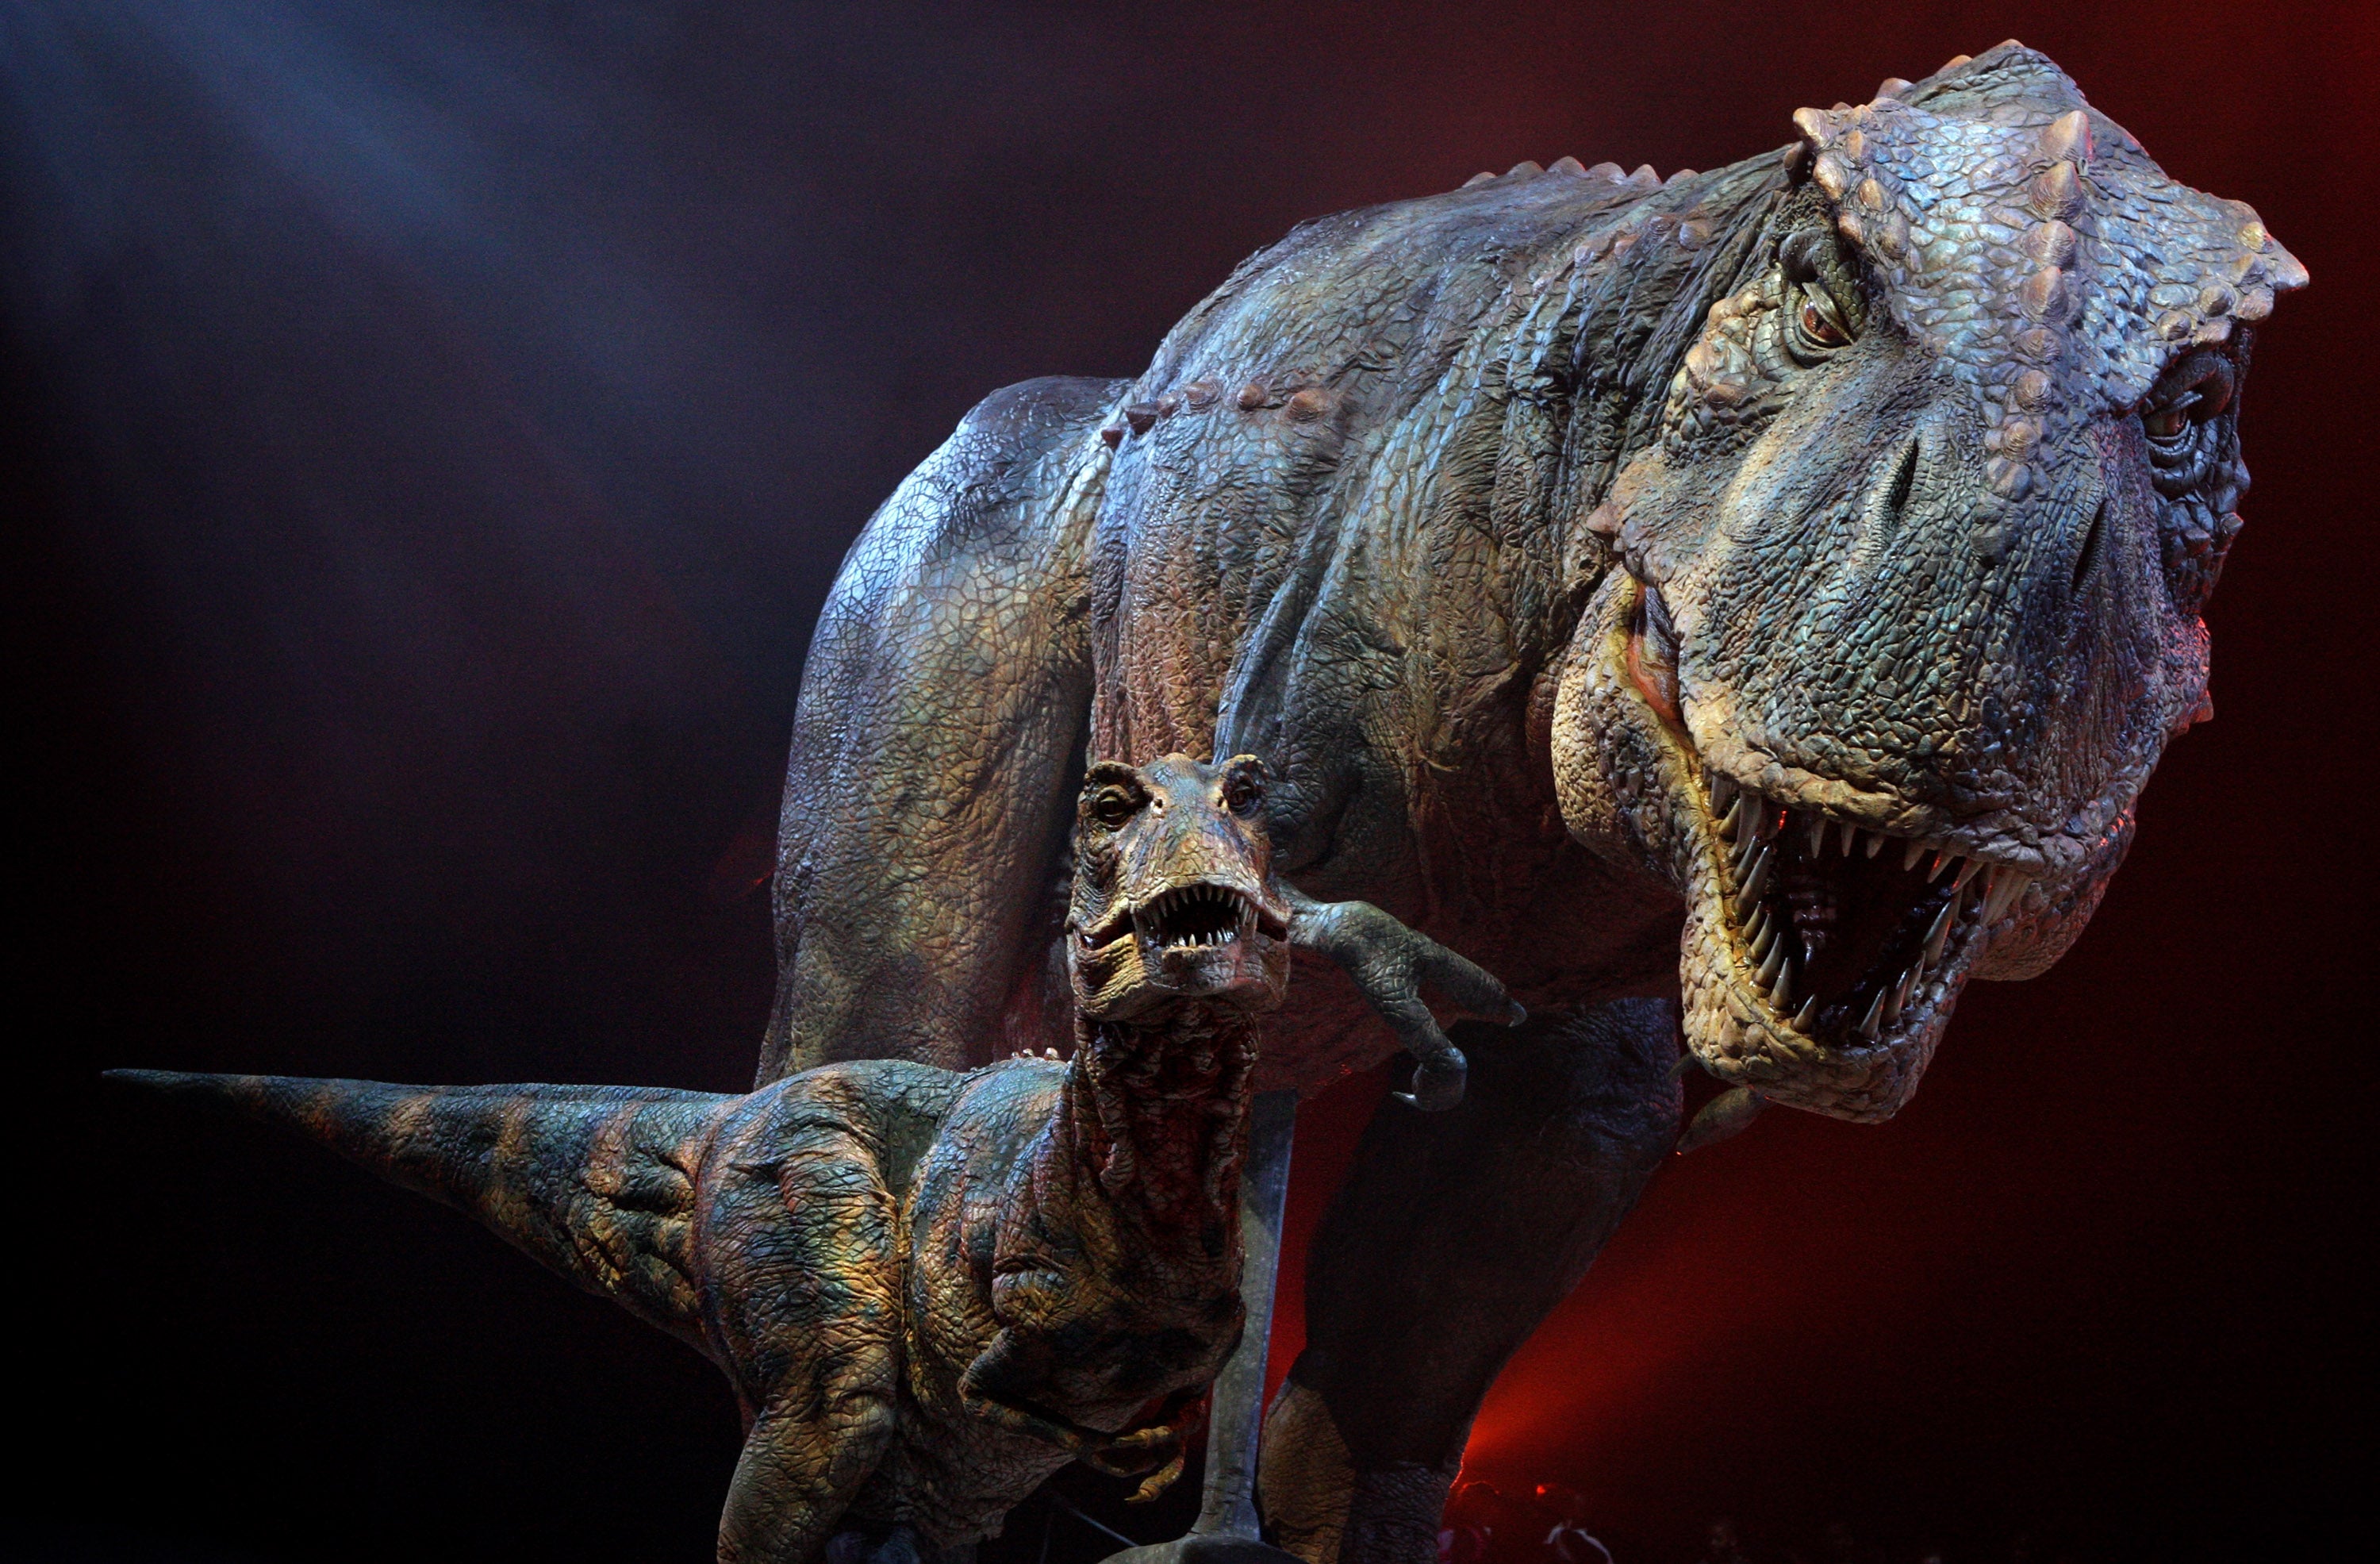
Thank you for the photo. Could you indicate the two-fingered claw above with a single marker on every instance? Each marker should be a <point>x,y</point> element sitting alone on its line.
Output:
<point>1391,964</point>
<point>1156,1482</point>
<point>1152,1453</point>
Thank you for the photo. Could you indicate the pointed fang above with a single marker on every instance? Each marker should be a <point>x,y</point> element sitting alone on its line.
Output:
<point>1873,1021</point>
<point>1939,934</point>
<point>2007,886</point>
<point>1749,895</point>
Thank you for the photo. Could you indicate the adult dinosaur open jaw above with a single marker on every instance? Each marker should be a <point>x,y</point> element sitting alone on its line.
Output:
<point>1829,928</point>
<point>1828,943</point>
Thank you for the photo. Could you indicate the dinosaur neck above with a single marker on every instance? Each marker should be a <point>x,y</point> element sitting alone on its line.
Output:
<point>1155,1115</point>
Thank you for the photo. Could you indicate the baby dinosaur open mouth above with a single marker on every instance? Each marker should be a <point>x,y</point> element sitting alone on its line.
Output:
<point>1196,915</point>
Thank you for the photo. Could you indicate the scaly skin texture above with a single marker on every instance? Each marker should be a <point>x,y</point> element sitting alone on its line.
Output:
<point>928,1289</point>
<point>1762,589</point>
<point>1640,586</point>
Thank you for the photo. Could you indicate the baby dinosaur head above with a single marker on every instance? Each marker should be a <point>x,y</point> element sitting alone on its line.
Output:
<point>1173,895</point>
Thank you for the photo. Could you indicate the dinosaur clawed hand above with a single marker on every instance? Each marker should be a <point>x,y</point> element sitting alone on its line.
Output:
<point>1153,1454</point>
<point>1390,964</point>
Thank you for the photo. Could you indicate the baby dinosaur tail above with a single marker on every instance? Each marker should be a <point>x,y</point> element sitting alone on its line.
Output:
<point>596,1181</point>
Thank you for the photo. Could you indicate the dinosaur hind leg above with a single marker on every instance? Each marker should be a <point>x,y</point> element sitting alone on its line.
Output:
<point>1453,1236</point>
<point>801,1468</point>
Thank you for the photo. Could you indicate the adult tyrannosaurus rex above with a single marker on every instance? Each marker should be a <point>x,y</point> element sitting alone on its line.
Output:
<point>1810,551</point>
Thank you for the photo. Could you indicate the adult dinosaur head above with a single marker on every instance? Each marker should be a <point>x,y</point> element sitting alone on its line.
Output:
<point>1914,564</point>
<point>1173,894</point>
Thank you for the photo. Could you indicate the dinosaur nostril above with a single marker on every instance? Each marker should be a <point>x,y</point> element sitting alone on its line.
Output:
<point>2094,531</point>
<point>1904,479</point>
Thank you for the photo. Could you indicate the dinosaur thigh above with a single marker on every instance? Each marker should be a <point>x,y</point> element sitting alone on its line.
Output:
<point>942,715</point>
<point>1453,1236</point>
<point>802,1306</point>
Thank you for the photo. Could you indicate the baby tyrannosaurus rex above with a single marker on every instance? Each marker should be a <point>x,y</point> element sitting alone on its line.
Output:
<point>929,1290</point>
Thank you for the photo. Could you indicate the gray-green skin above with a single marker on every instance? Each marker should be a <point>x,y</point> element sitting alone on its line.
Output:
<point>1573,547</point>
<point>929,1290</point>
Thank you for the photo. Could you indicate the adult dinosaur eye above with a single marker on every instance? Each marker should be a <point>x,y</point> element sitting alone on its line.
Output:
<point>1242,793</point>
<point>1817,324</point>
<point>2197,388</point>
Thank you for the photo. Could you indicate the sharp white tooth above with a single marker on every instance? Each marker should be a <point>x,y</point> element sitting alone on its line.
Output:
<point>1752,883</point>
<point>1745,846</point>
<point>1817,835</point>
<point>1943,858</point>
<point>1806,1014</point>
<point>1940,934</point>
<point>1723,790</point>
<point>1759,925</point>
<point>1899,998</point>
<point>1875,843</point>
<point>1783,993</point>
<point>1910,854</point>
<point>1762,946</point>
<point>1873,1021</point>
<point>2007,886</point>
<point>1850,831</point>
<point>1966,871</point>
<point>1732,822</point>
<point>1767,976</point>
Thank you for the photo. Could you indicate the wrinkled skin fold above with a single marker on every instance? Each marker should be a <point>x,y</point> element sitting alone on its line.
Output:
<point>1761,594</point>
<point>929,1290</point>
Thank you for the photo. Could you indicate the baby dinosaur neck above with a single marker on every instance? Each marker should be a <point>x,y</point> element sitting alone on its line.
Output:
<point>1155,1113</point>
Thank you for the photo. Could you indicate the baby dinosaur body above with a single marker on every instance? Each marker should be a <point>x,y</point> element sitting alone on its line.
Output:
<point>929,1290</point>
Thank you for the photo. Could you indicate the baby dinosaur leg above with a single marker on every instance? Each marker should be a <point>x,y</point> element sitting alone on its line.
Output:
<point>798,1474</point>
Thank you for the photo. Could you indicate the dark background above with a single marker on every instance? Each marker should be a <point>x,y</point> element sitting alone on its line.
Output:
<point>430,430</point>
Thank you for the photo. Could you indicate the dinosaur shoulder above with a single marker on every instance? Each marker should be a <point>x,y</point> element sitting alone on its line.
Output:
<point>879,1111</point>
<point>1362,288</point>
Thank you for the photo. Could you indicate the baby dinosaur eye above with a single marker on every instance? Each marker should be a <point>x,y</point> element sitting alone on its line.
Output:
<point>1112,807</point>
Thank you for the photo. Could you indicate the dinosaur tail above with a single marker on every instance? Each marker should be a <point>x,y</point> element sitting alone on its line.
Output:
<point>596,1181</point>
